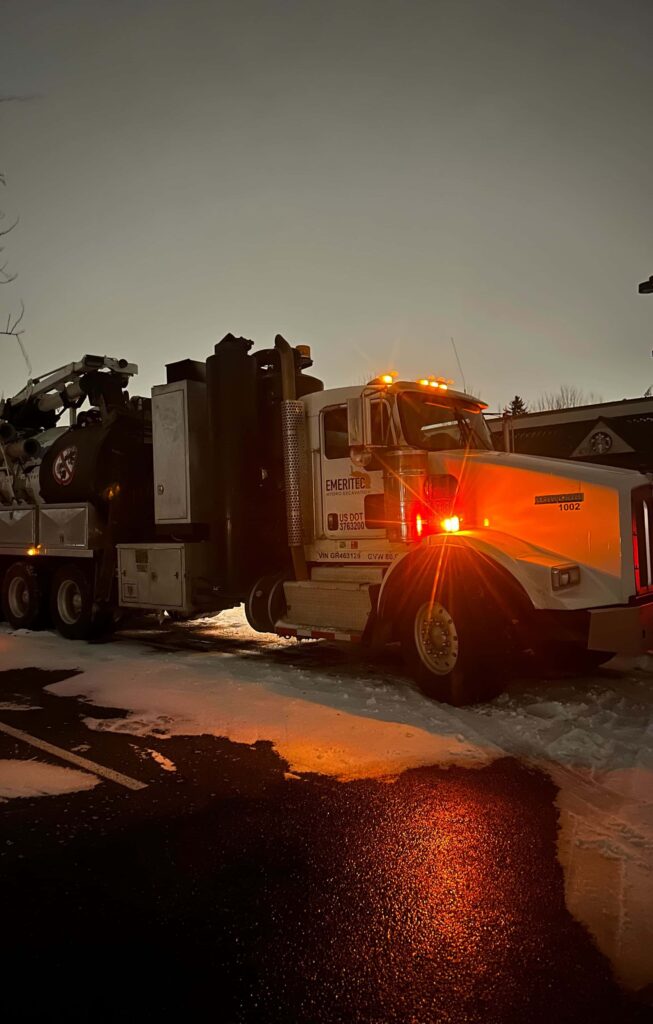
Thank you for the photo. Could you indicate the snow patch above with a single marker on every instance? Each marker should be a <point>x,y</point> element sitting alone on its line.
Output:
<point>163,762</point>
<point>35,778</point>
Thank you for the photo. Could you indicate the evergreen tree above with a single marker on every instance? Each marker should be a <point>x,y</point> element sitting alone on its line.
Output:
<point>517,407</point>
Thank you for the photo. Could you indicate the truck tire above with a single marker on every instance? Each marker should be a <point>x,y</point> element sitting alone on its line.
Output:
<point>72,605</point>
<point>23,596</point>
<point>265,602</point>
<point>451,648</point>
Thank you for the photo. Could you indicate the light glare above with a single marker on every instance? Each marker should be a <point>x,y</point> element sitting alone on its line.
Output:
<point>451,524</point>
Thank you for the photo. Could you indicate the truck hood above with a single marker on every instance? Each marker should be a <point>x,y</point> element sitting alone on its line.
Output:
<point>577,513</point>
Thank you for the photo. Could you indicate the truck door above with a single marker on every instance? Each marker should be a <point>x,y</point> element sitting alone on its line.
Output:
<point>352,497</point>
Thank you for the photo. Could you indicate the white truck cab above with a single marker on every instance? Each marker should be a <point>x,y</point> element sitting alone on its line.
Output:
<point>417,530</point>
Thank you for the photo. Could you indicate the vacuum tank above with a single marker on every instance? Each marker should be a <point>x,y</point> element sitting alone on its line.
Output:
<point>104,455</point>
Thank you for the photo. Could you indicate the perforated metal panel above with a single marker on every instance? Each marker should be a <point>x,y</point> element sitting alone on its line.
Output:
<point>292,423</point>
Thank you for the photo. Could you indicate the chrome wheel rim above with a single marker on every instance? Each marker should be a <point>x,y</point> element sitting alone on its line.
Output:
<point>18,598</point>
<point>436,638</point>
<point>69,602</point>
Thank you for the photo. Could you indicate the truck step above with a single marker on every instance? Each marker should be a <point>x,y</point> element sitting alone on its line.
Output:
<point>344,606</point>
<point>317,633</point>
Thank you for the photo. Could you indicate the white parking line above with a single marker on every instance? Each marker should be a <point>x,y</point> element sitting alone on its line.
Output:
<point>66,755</point>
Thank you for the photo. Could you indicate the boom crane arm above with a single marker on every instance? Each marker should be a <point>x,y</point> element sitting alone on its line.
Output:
<point>48,395</point>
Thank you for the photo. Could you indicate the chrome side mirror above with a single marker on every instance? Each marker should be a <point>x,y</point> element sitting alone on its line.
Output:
<point>356,423</point>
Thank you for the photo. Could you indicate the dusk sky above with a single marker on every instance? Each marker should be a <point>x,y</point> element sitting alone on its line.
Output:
<point>369,178</point>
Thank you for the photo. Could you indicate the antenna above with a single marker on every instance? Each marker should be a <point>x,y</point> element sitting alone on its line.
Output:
<point>460,367</point>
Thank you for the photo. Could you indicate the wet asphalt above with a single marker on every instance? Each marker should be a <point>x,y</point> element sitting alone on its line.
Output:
<point>231,892</point>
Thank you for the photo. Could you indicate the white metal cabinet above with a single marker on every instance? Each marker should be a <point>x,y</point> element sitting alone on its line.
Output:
<point>180,443</point>
<point>153,576</point>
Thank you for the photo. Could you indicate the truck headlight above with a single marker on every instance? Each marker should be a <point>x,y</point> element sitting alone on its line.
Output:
<point>563,576</point>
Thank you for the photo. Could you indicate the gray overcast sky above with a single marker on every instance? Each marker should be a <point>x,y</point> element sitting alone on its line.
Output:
<point>364,176</point>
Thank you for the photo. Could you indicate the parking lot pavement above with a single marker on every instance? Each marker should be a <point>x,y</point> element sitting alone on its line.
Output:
<point>228,886</point>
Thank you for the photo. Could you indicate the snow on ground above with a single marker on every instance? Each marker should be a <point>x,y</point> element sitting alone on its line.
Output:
<point>163,762</point>
<point>594,736</point>
<point>35,778</point>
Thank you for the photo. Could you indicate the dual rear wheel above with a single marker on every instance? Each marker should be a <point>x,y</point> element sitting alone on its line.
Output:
<point>31,598</point>
<point>23,596</point>
<point>72,606</point>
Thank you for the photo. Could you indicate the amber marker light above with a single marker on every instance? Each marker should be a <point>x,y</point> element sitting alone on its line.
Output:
<point>34,550</point>
<point>386,378</point>
<point>451,524</point>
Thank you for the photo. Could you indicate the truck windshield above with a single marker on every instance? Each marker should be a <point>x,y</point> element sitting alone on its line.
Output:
<point>440,424</point>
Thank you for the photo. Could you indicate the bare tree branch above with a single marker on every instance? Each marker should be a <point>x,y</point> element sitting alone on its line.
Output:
<point>5,276</point>
<point>12,326</point>
<point>10,228</point>
<point>568,397</point>
<point>12,331</point>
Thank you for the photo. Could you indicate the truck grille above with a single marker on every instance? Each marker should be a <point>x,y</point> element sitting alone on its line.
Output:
<point>643,538</point>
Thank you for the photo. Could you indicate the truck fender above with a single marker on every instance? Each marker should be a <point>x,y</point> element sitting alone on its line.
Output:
<point>445,554</point>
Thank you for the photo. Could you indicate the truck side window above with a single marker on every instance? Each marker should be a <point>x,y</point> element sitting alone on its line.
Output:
<point>336,433</point>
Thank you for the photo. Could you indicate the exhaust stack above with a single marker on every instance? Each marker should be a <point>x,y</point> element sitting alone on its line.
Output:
<point>292,417</point>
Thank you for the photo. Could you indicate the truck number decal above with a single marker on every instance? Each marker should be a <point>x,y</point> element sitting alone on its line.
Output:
<point>569,506</point>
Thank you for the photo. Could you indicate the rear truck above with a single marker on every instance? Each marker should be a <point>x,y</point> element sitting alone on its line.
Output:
<point>371,514</point>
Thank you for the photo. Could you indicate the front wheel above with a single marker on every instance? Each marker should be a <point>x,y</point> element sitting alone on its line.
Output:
<point>450,650</point>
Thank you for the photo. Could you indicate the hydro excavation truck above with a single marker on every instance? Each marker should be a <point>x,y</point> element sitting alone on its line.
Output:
<point>372,514</point>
